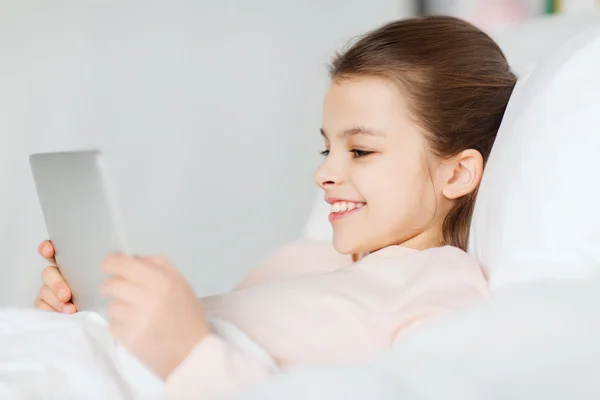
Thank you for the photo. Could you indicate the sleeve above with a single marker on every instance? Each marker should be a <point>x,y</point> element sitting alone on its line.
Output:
<point>417,322</point>
<point>215,370</point>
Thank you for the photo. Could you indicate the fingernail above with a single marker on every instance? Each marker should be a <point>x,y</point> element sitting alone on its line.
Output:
<point>62,293</point>
<point>67,309</point>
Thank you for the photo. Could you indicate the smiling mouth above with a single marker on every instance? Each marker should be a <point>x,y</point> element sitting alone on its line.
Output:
<point>341,209</point>
<point>344,206</point>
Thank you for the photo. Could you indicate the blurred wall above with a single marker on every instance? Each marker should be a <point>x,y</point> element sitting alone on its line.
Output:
<point>208,112</point>
<point>526,43</point>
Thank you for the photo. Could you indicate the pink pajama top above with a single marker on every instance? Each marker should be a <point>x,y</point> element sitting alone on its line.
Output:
<point>309,305</point>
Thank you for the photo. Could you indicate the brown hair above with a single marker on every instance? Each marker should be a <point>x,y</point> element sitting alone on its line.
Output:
<point>458,82</point>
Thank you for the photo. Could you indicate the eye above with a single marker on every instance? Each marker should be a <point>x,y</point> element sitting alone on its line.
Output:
<point>325,153</point>
<point>360,153</point>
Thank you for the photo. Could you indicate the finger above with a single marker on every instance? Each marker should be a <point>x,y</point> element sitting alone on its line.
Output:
<point>128,267</point>
<point>48,297</point>
<point>121,290</point>
<point>159,261</point>
<point>53,279</point>
<point>46,250</point>
<point>69,308</point>
<point>42,305</point>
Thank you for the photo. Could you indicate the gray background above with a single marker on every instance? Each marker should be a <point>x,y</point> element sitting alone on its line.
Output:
<point>208,112</point>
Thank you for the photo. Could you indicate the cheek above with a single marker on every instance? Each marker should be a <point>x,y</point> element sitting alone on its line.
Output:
<point>394,184</point>
<point>396,202</point>
<point>401,201</point>
<point>404,198</point>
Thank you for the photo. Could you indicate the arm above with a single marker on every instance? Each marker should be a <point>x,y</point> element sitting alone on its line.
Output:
<point>214,370</point>
<point>217,368</point>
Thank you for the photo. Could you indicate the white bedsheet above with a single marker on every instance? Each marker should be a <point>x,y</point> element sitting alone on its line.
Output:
<point>531,341</point>
<point>55,356</point>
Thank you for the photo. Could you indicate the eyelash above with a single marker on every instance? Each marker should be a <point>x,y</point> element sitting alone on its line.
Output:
<point>357,153</point>
<point>360,153</point>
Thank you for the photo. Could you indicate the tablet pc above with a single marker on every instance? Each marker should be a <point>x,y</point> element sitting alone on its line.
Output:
<point>81,218</point>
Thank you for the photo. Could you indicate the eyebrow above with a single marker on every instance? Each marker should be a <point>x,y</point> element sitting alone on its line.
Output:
<point>357,130</point>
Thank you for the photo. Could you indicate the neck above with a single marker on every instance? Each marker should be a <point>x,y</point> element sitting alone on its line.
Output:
<point>425,240</point>
<point>422,241</point>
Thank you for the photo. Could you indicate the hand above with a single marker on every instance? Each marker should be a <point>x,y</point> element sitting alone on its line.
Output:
<point>154,311</point>
<point>55,294</point>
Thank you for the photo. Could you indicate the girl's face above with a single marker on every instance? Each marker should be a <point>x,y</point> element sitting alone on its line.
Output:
<point>377,174</point>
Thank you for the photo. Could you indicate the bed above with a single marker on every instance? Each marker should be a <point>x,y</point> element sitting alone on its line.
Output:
<point>536,231</point>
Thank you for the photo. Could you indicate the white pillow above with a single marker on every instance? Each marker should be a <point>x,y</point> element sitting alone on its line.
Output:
<point>538,211</point>
<point>527,42</point>
<point>318,226</point>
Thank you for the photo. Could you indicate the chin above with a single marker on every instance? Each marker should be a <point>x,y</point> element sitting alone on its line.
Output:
<point>346,246</point>
<point>349,244</point>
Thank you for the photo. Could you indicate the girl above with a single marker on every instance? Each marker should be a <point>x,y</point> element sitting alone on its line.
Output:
<point>408,123</point>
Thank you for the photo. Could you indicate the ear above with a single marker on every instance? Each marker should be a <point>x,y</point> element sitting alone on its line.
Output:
<point>462,174</point>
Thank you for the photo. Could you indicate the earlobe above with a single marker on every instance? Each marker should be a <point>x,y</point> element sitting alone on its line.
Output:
<point>464,176</point>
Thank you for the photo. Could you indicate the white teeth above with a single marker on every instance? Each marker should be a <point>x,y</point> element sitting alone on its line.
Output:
<point>342,206</point>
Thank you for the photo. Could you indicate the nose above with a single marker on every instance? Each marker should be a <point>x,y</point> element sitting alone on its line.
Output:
<point>328,174</point>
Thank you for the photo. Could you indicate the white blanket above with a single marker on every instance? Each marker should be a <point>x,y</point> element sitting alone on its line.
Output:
<point>55,356</point>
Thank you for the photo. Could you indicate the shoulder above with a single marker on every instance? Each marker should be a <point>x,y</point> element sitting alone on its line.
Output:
<point>452,259</point>
<point>448,257</point>
<point>298,258</point>
<point>453,274</point>
<point>443,280</point>
<point>440,268</point>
